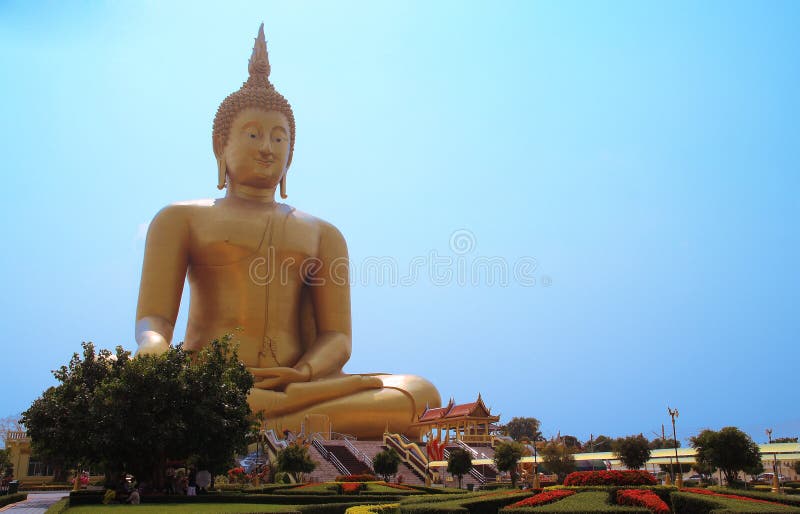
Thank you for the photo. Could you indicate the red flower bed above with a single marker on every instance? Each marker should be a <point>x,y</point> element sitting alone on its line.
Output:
<point>351,487</point>
<point>542,498</point>
<point>697,490</point>
<point>642,498</point>
<point>610,478</point>
<point>356,478</point>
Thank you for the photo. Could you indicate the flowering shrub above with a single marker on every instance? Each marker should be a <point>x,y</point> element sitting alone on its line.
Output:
<point>542,498</point>
<point>642,498</point>
<point>237,475</point>
<point>83,479</point>
<point>357,478</point>
<point>259,476</point>
<point>351,487</point>
<point>697,490</point>
<point>629,477</point>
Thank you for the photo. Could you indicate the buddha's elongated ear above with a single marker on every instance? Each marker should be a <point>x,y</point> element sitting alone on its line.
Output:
<point>222,171</point>
<point>283,187</point>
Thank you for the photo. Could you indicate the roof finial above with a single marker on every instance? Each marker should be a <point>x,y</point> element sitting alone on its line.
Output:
<point>258,66</point>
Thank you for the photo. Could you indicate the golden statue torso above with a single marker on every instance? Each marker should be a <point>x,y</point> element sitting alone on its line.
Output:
<point>248,269</point>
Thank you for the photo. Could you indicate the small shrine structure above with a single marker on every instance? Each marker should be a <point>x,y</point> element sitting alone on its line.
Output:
<point>468,422</point>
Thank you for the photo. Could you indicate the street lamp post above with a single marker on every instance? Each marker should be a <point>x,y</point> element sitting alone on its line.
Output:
<point>776,485</point>
<point>673,413</point>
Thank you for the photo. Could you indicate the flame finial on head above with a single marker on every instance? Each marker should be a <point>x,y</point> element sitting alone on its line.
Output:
<point>258,66</point>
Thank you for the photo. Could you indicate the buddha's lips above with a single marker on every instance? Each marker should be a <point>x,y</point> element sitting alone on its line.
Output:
<point>266,163</point>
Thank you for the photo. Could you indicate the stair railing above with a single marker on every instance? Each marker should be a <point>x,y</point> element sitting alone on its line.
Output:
<point>410,454</point>
<point>361,456</point>
<point>333,459</point>
<point>477,475</point>
<point>472,451</point>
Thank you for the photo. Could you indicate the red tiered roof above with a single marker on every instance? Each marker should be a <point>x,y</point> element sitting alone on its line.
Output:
<point>476,409</point>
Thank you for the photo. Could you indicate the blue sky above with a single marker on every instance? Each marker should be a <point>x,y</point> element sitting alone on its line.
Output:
<point>645,154</point>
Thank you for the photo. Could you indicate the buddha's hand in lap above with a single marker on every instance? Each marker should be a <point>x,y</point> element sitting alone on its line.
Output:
<point>299,395</point>
<point>276,379</point>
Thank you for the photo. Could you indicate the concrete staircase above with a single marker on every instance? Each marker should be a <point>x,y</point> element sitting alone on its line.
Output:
<point>351,462</point>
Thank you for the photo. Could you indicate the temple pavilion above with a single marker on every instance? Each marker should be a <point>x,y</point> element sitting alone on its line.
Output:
<point>468,422</point>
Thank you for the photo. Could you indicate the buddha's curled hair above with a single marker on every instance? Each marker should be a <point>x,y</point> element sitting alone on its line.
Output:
<point>257,92</point>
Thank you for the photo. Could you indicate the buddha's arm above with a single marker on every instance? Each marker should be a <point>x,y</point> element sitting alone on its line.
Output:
<point>329,284</point>
<point>166,258</point>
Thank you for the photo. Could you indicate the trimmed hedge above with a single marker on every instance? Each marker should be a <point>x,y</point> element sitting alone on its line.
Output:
<point>12,498</point>
<point>772,497</point>
<point>691,503</point>
<point>590,502</point>
<point>473,503</point>
<point>490,503</point>
<point>330,508</point>
<point>387,508</point>
<point>96,497</point>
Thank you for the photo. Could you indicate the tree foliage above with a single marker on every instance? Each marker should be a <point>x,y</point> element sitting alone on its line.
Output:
<point>557,458</point>
<point>507,456</point>
<point>683,467</point>
<point>131,415</point>
<point>729,450</point>
<point>633,451</point>
<point>459,463</point>
<point>385,463</point>
<point>523,428</point>
<point>785,440</point>
<point>600,443</point>
<point>661,443</point>
<point>6,467</point>
<point>295,460</point>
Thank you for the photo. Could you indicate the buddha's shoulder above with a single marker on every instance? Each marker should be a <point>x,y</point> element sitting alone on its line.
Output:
<point>324,228</point>
<point>183,211</point>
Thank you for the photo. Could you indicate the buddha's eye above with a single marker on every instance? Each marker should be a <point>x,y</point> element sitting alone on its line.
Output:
<point>253,136</point>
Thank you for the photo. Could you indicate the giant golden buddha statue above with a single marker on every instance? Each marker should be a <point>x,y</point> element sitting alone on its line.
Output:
<point>274,277</point>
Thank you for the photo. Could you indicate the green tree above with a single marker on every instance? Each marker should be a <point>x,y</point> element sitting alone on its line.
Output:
<point>600,443</point>
<point>785,440</point>
<point>557,458</point>
<point>523,428</point>
<point>661,443</point>
<point>507,456</point>
<point>756,470</point>
<point>633,451</point>
<point>6,467</point>
<point>61,423</point>
<point>131,415</point>
<point>704,468</point>
<point>295,460</point>
<point>385,463</point>
<point>730,450</point>
<point>459,463</point>
<point>678,468</point>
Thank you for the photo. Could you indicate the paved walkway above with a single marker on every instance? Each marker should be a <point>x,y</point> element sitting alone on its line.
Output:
<point>36,503</point>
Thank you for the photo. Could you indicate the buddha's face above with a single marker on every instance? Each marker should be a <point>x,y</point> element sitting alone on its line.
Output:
<point>257,151</point>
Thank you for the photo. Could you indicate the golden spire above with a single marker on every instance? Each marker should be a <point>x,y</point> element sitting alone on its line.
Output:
<point>258,65</point>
